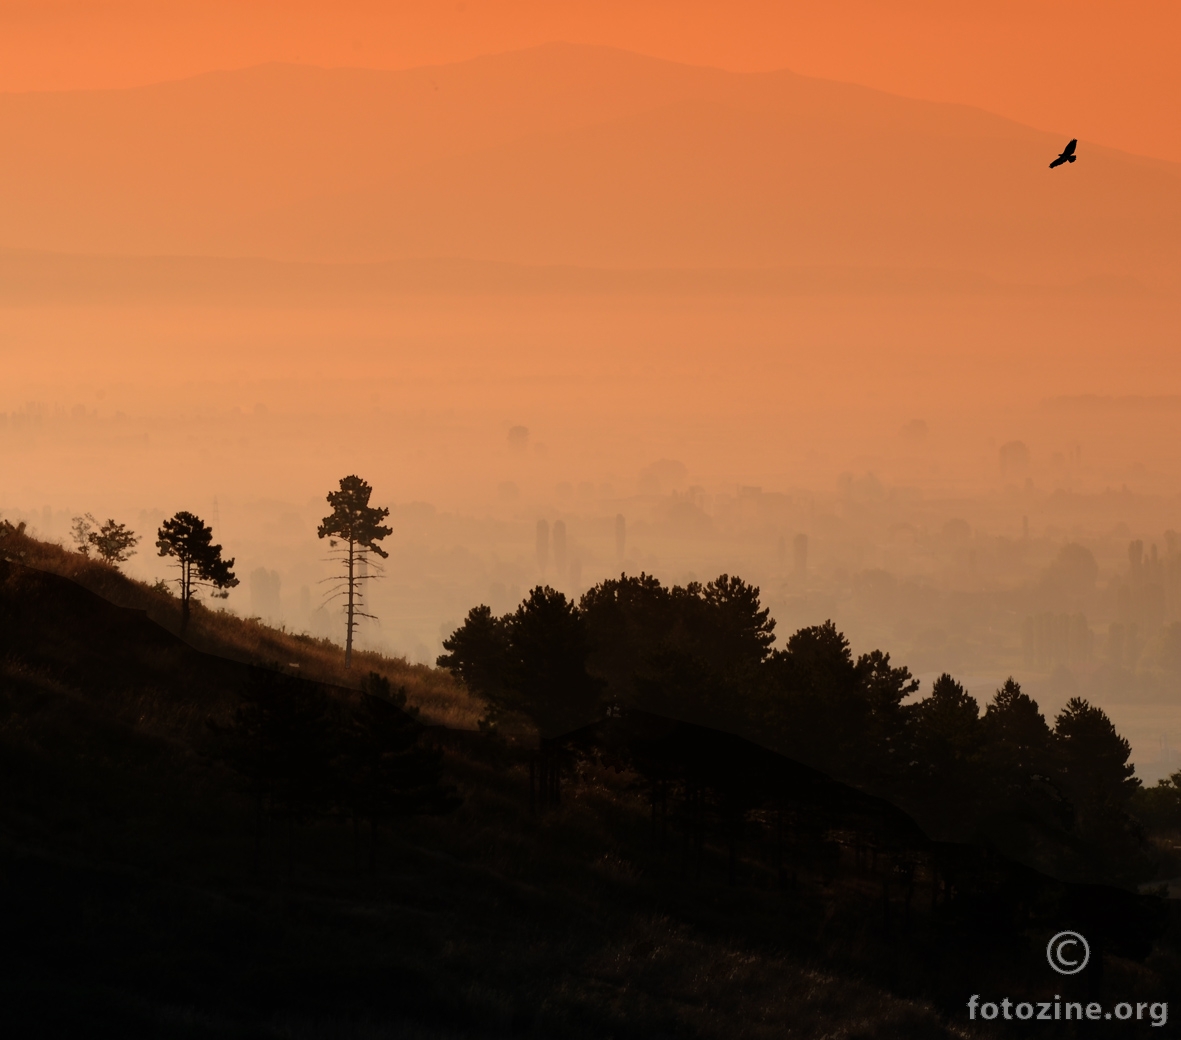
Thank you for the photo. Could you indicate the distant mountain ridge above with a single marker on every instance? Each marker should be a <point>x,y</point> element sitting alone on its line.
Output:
<point>573,155</point>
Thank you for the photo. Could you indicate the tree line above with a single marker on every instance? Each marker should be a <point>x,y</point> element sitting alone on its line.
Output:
<point>305,753</point>
<point>1063,795</point>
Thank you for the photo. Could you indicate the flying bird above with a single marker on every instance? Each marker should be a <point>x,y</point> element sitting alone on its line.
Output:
<point>1067,154</point>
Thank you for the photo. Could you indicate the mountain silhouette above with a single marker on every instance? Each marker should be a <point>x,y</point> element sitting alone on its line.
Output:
<point>568,155</point>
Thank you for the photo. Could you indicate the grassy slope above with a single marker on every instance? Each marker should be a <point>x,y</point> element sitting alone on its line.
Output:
<point>137,901</point>
<point>440,698</point>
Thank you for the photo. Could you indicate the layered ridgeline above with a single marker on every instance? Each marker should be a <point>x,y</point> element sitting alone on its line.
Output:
<point>180,855</point>
<point>573,155</point>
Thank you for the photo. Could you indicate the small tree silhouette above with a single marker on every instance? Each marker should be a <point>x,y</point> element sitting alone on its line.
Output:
<point>113,542</point>
<point>357,525</point>
<point>1093,756</point>
<point>531,662</point>
<point>82,530</point>
<point>547,676</point>
<point>186,538</point>
<point>478,654</point>
<point>1018,741</point>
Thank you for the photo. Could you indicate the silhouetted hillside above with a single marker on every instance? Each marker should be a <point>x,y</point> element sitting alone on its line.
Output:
<point>168,877</point>
<point>219,635</point>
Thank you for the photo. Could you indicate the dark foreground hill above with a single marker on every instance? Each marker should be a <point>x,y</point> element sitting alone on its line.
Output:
<point>664,880</point>
<point>245,640</point>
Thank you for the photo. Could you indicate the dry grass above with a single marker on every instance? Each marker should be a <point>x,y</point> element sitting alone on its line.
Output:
<point>441,699</point>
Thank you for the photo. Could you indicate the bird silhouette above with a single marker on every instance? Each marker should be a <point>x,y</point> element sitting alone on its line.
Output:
<point>1067,154</point>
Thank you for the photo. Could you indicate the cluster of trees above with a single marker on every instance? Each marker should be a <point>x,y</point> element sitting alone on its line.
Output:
<point>112,542</point>
<point>309,754</point>
<point>185,537</point>
<point>705,653</point>
<point>1066,794</point>
<point>353,528</point>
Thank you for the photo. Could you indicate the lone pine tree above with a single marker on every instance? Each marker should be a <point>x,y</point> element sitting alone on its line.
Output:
<point>353,528</point>
<point>186,538</point>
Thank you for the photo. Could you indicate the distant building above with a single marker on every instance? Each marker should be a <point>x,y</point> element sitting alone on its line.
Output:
<point>264,594</point>
<point>800,555</point>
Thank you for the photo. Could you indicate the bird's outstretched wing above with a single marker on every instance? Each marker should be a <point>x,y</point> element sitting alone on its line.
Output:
<point>1067,154</point>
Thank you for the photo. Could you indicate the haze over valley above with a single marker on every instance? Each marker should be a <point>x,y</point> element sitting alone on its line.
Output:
<point>572,283</point>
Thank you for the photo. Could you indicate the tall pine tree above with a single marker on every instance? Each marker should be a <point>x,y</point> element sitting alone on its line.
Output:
<point>353,528</point>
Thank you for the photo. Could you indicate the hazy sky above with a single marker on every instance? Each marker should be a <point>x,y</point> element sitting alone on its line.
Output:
<point>1103,70</point>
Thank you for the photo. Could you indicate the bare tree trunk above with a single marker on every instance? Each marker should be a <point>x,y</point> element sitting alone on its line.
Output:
<point>186,591</point>
<point>348,639</point>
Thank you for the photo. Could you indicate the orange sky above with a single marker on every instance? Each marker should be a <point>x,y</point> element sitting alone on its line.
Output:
<point>1104,70</point>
